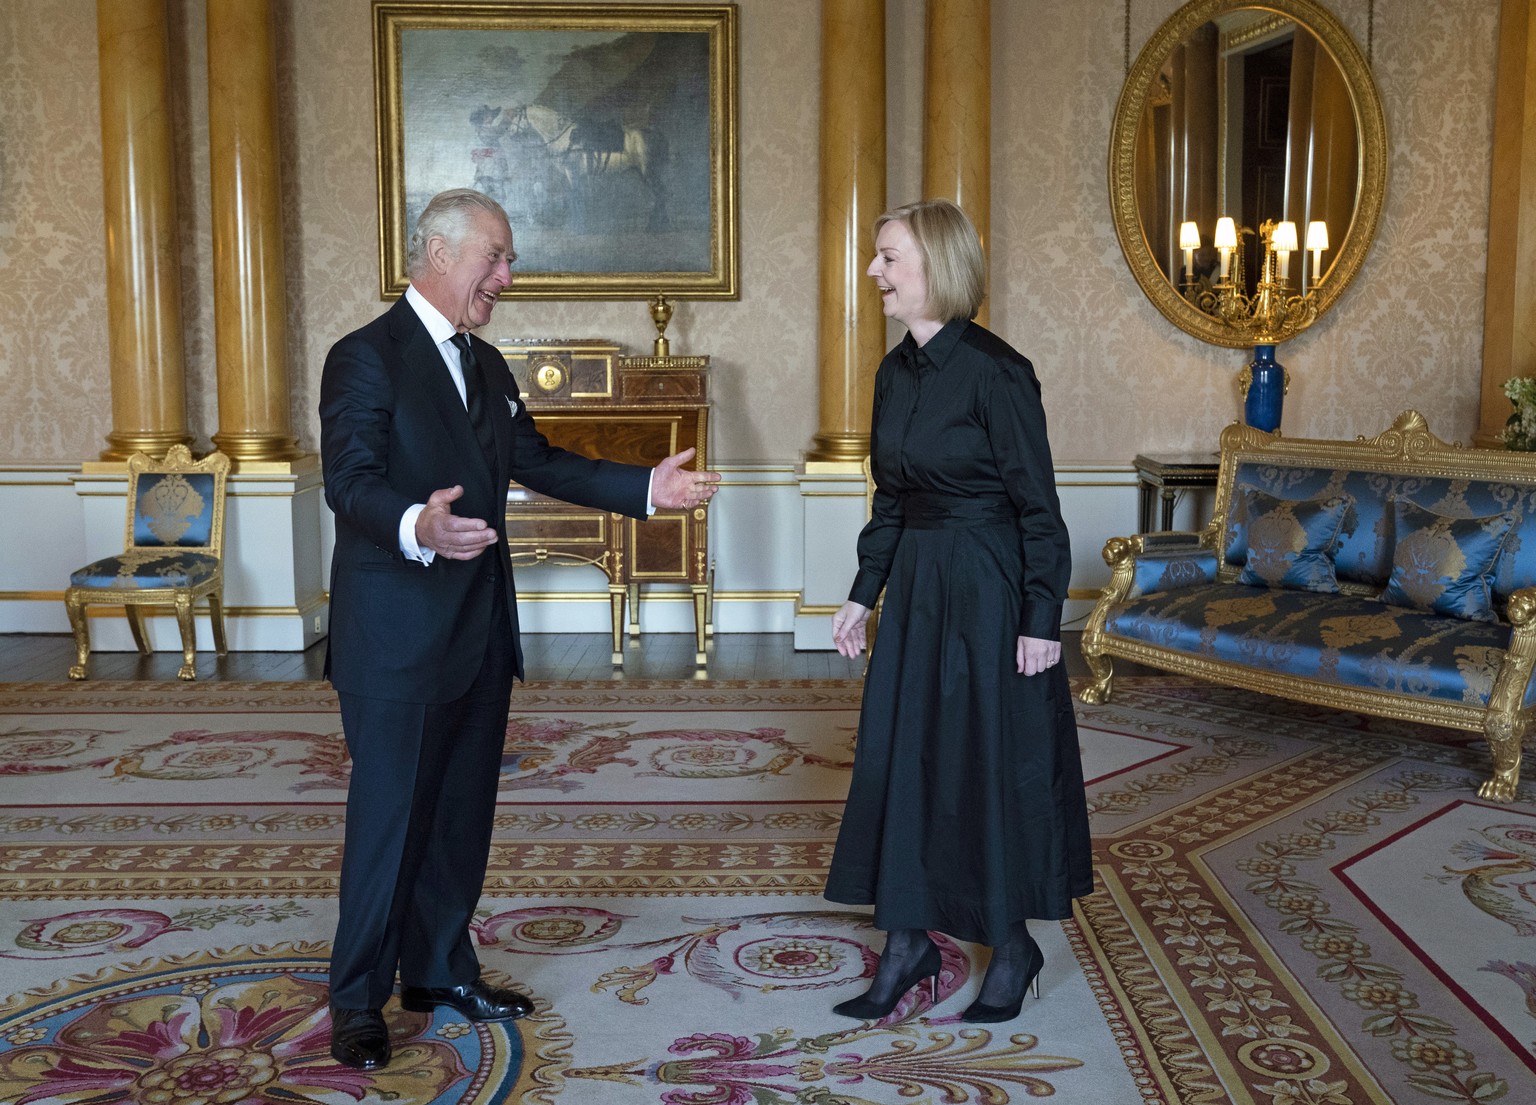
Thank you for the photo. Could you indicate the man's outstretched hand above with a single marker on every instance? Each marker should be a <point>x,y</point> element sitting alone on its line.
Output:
<point>438,528</point>
<point>674,487</point>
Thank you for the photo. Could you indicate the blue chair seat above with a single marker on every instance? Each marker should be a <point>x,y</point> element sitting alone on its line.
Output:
<point>1340,639</point>
<point>144,569</point>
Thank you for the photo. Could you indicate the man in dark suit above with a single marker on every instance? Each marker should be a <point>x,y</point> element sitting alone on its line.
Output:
<point>421,427</point>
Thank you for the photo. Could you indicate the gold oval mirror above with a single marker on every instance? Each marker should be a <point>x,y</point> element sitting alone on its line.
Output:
<point>1255,111</point>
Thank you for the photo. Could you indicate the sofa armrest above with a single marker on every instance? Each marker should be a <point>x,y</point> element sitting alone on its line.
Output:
<point>1172,571</point>
<point>1520,656</point>
<point>1522,609</point>
<point>1140,565</point>
<point>1151,563</point>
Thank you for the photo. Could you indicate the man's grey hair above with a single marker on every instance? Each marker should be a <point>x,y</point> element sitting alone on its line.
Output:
<point>447,217</point>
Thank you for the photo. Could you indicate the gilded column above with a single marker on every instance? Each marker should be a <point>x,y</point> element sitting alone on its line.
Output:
<point>248,275</point>
<point>957,114</point>
<point>852,326</point>
<point>143,268</point>
<point>1509,307</point>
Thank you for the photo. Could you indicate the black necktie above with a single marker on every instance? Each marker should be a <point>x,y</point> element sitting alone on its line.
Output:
<point>474,399</point>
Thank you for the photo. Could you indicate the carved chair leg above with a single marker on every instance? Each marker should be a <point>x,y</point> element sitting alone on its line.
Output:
<point>136,626</point>
<point>709,604</point>
<point>700,619</point>
<point>216,622</point>
<point>78,624</point>
<point>188,627</point>
<point>1504,733</point>
<point>616,593</point>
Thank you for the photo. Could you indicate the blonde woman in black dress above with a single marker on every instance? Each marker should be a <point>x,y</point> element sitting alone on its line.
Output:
<point>966,814</point>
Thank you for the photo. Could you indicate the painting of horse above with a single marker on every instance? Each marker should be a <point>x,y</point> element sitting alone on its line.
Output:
<point>598,159</point>
<point>608,138</point>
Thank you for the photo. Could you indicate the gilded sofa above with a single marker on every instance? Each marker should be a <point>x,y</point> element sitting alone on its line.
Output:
<point>1393,576</point>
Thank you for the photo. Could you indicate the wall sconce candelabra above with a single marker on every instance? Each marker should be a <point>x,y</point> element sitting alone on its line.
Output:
<point>1270,315</point>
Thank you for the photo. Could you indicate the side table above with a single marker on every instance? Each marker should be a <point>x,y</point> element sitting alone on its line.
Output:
<point>1168,474</point>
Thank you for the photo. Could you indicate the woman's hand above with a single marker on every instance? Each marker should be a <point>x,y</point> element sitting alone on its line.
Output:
<point>848,628</point>
<point>1035,655</point>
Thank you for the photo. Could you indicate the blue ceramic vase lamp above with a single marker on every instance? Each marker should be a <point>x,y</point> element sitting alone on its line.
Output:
<point>1271,314</point>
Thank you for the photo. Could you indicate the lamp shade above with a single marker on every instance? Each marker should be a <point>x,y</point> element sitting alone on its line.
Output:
<point>1189,236</point>
<point>1317,235</point>
<point>1283,237</point>
<point>1226,233</point>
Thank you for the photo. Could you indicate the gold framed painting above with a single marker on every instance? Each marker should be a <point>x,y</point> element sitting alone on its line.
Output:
<point>606,131</point>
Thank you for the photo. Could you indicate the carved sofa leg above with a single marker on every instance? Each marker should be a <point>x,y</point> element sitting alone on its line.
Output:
<point>1504,733</point>
<point>1504,724</point>
<point>1103,684</point>
<point>1120,555</point>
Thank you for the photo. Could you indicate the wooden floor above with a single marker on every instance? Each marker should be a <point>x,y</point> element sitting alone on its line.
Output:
<point>46,658</point>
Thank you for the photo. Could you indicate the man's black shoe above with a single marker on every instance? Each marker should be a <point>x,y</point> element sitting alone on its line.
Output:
<point>475,1000</point>
<point>359,1038</point>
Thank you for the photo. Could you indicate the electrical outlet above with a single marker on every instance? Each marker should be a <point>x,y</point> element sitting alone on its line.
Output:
<point>317,623</point>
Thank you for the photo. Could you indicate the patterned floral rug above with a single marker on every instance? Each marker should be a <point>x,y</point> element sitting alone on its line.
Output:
<point>1295,907</point>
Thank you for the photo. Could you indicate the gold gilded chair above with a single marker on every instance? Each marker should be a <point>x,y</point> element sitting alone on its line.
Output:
<point>173,554</point>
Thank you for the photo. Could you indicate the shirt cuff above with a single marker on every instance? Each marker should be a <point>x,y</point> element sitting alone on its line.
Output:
<point>866,588</point>
<point>1040,618</point>
<point>408,546</point>
<point>649,507</point>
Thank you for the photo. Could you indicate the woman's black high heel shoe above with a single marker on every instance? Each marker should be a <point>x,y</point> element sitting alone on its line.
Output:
<point>866,1009</point>
<point>979,1012</point>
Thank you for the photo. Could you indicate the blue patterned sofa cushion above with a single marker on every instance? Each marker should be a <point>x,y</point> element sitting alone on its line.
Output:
<point>1364,553</point>
<point>142,569</point>
<point>1341,639</point>
<point>1445,565</point>
<point>1291,541</point>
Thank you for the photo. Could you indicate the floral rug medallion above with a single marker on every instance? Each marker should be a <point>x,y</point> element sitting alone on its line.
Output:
<point>250,1025</point>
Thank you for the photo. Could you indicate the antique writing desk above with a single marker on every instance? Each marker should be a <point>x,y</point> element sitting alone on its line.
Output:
<point>587,397</point>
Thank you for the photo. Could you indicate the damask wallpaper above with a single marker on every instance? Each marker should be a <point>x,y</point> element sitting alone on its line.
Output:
<point>1118,379</point>
<point>55,398</point>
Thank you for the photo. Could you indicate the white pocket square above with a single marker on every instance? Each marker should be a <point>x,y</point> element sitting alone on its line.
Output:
<point>512,406</point>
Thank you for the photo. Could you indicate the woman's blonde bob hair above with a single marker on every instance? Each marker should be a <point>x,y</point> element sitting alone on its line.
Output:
<point>953,263</point>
